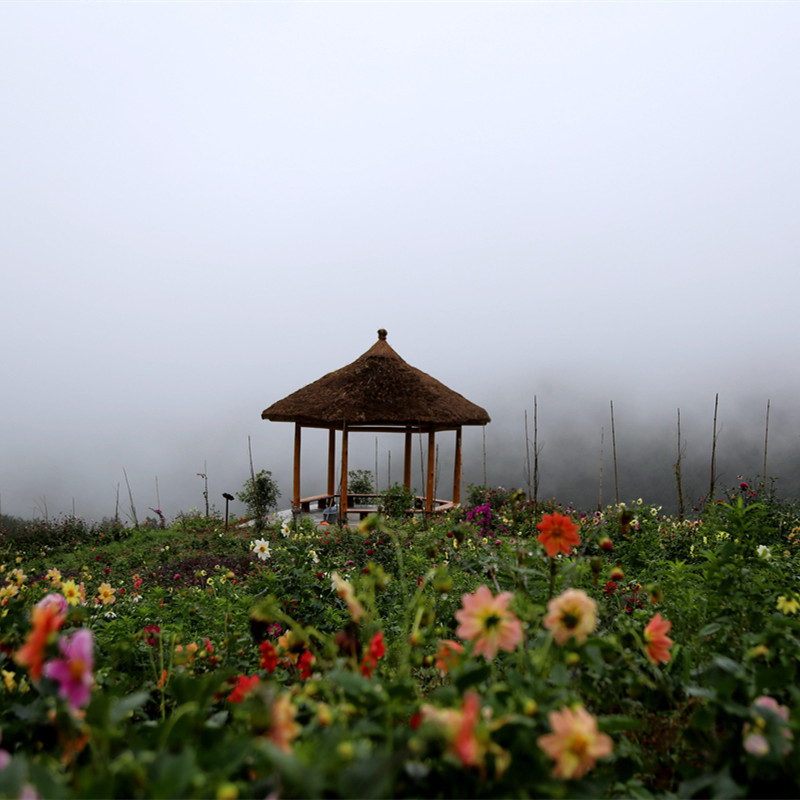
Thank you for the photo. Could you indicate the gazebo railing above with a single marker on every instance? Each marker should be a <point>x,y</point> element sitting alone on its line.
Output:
<point>325,501</point>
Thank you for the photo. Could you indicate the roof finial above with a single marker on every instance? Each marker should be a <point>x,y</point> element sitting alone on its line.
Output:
<point>382,334</point>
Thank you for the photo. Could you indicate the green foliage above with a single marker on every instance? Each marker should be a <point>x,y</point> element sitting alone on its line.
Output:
<point>396,501</point>
<point>359,481</point>
<point>260,496</point>
<point>194,605</point>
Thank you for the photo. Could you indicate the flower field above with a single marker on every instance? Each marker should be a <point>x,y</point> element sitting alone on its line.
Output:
<point>500,651</point>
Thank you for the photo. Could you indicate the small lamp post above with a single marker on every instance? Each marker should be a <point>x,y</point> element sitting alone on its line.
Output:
<point>228,497</point>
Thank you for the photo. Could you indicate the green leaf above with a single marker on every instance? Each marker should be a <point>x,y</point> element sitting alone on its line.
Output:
<point>170,774</point>
<point>122,707</point>
<point>614,723</point>
<point>472,675</point>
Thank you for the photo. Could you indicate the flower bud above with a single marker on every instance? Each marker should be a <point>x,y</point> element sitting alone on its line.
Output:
<point>345,750</point>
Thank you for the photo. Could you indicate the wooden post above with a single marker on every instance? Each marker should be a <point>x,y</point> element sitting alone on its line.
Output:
<point>343,490</point>
<point>766,441</point>
<point>485,479</point>
<point>296,486</point>
<point>332,461</point>
<point>678,471</point>
<point>457,470</point>
<point>713,451</point>
<point>407,460</point>
<point>535,454</point>
<point>600,496</point>
<point>529,475</point>
<point>431,470</point>
<point>614,449</point>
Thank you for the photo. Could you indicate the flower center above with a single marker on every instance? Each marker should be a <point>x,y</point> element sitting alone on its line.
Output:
<point>570,619</point>
<point>77,667</point>
<point>492,621</point>
<point>580,745</point>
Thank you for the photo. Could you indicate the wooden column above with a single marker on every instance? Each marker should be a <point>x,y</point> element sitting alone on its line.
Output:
<point>332,461</point>
<point>431,469</point>
<point>457,470</point>
<point>343,490</point>
<point>407,459</point>
<point>296,488</point>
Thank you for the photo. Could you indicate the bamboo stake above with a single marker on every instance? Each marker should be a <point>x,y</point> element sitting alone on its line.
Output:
<point>678,472</point>
<point>375,482</point>
<point>528,456</point>
<point>485,481</point>
<point>259,521</point>
<point>116,507</point>
<point>600,497</point>
<point>766,440</point>
<point>535,453</point>
<point>614,449</point>
<point>713,450</point>
<point>130,496</point>
<point>204,476</point>
<point>42,508</point>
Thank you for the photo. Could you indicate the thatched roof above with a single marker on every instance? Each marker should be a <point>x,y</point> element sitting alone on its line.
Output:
<point>378,388</point>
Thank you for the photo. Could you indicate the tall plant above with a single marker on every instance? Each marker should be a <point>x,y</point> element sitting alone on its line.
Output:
<point>260,494</point>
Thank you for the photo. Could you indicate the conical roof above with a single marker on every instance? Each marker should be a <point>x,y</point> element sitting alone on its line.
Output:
<point>378,388</point>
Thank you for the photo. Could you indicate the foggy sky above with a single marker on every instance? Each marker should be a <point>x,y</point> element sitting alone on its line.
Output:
<point>206,206</point>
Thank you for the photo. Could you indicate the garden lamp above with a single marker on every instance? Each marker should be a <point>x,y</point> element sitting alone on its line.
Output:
<point>228,497</point>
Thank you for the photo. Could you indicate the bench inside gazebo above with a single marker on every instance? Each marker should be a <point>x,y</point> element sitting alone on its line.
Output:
<point>362,505</point>
<point>378,393</point>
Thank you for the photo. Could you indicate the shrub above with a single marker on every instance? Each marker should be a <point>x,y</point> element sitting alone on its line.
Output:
<point>260,496</point>
<point>396,500</point>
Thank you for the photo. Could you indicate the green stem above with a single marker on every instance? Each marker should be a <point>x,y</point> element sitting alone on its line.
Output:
<point>553,569</point>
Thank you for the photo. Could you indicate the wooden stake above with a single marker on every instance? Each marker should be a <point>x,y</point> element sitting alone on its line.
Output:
<point>600,496</point>
<point>205,484</point>
<point>259,523</point>
<point>528,457</point>
<point>485,482</point>
<point>766,440</point>
<point>130,496</point>
<point>535,453</point>
<point>614,449</point>
<point>713,451</point>
<point>678,471</point>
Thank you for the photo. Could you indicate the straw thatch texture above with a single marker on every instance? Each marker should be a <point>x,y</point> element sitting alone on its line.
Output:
<point>378,388</point>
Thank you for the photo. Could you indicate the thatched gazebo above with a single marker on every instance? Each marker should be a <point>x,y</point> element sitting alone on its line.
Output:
<point>377,393</point>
